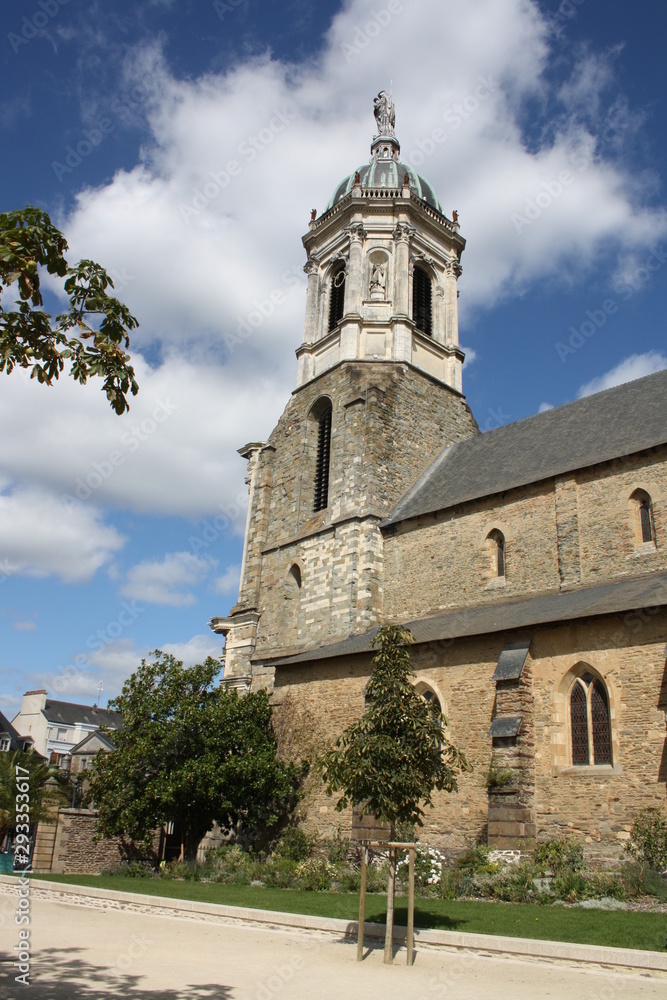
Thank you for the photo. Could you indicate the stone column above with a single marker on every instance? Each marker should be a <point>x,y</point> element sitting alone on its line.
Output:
<point>452,272</point>
<point>402,270</point>
<point>354,275</point>
<point>311,325</point>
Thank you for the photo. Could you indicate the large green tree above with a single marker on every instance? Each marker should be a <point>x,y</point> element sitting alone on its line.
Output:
<point>189,751</point>
<point>90,336</point>
<point>397,754</point>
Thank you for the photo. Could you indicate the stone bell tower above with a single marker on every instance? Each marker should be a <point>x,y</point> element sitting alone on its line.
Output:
<point>378,396</point>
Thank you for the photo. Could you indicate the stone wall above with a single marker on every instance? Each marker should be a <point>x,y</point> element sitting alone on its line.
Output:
<point>597,803</point>
<point>75,849</point>
<point>389,422</point>
<point>578,529</point>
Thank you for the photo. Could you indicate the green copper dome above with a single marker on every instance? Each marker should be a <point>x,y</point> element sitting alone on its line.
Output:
<point>387,173</point>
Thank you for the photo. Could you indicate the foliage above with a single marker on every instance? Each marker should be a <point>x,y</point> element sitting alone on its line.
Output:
<point>190,753</point>
<point>428,869</point>
<point>558,855</point>
<point>648,839</point>
<point>46,789</point>
<point>29,338</point>
<point>338,847</point>
<point>476,861</point>
<point>396,755</point>
<point>294,844</point>
<point>315,874</point>
<point>640,880</point>
<point>498,777</point>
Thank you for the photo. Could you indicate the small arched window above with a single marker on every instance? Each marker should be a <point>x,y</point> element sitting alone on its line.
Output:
<point>590,722</point>
<point>337,296</point>
<point>496,544</point>
<point>321,413</point>
<point>295,575</point>
<point>643,513</point>
<point>421,300</point>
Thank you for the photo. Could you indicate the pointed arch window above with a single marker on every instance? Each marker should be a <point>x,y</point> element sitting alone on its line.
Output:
<point>337,296</point>
<point>322,415</point>
<point>421,300</point>
<point>590,722</point>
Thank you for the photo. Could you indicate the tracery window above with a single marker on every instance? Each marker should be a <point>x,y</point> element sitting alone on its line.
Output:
<point>337,296</point>
<point>421,300</point>
<point>590,722</point>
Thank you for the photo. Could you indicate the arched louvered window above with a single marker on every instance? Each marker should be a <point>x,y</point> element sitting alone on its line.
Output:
<point>421,300</point>
<point>321,496</point>
<point>337,296</point>
<point>590,722</point>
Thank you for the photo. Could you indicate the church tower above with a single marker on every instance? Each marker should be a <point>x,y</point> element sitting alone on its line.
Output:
<point>378,396</point>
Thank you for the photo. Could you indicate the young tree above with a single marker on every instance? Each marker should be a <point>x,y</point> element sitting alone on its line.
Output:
<point>45,789</point>
<point>188,752</point>
<point>391,761</point>
<point>28,336</point>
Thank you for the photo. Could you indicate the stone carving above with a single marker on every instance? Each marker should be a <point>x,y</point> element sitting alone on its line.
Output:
<point>378,279</point>
<point>356,232</point>
<point>402,232</point>
<point>311,266</point>
<point>452,267</point>
<point>385,113</point>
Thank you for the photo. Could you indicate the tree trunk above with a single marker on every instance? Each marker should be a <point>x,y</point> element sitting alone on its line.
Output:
<point>389,933</point>
<point>191,841</point>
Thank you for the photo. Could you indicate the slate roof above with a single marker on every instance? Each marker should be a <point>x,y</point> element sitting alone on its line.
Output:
<point>584,602</point>
<point>611,424</point>
<point>17,741</point>
<point>67,713</point>
<point>96,735</point>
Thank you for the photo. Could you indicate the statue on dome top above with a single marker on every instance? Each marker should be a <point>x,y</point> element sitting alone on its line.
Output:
<point>385,113</point>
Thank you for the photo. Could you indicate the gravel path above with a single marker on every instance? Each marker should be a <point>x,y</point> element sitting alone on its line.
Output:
<point>79,952</point>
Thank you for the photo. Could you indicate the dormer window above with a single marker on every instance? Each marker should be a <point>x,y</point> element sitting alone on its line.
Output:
<point>421,300</point>
<point>337,296</point>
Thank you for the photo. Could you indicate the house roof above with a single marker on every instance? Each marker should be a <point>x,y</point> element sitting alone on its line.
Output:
<point>86,743</point>
<point>583,602</point>
<point>16,741</point>
<point>608,425</point>
<point>67,713</point>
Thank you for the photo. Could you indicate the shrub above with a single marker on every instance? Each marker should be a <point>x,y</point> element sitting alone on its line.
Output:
<point>563,854</point>
<point>132,869</point>
<point>337,848</point>
<point>231,864</point>
<point>294,844</point>
<point>640,880</point>
<point>428,869</point>
<point>476,860</point>
<point>498,778</point>
<point>315,874</point>
<point>648,839</point>
<point>279,873</point>
<point>181,870</point>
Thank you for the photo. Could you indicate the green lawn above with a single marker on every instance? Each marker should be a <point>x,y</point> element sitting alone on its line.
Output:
<point>616,928</point>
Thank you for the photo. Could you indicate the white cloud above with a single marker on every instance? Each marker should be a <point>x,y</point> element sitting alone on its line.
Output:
<point>544,407</point>
<point>39,536</point>
<point>24,626</point>
<point>636,366</point>
<point>167,581</point>
<point>228,583</point>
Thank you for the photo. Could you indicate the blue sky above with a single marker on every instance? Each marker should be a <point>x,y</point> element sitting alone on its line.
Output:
<point>543,124</point>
